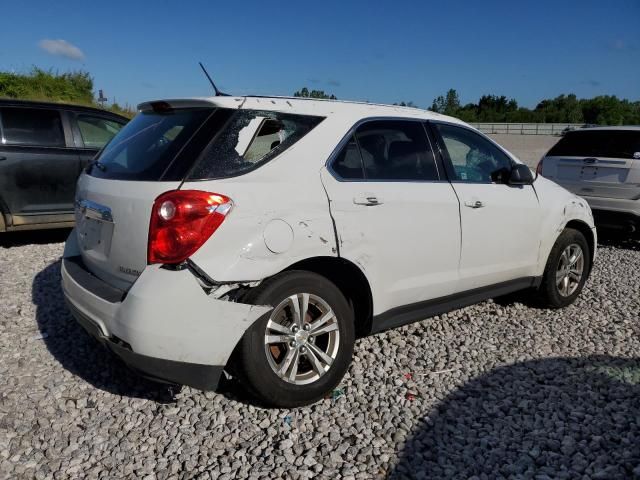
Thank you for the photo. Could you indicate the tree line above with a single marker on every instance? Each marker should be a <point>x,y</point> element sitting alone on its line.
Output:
<point>45,85</point>
<point>600,110</point>
<point>77,87</point>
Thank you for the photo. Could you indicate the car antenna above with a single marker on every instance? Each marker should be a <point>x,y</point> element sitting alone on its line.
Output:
<point>215,89</point>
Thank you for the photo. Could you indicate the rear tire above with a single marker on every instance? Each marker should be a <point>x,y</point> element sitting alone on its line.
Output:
<point>287,360</point>
<point>567,269</point>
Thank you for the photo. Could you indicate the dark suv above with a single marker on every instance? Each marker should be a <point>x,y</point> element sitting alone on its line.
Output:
<point>43,149</point>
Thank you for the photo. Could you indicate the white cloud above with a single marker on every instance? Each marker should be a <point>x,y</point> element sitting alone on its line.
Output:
<point>62,48</point>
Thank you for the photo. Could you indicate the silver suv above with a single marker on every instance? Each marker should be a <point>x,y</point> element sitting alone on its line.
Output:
<point>602,165</point>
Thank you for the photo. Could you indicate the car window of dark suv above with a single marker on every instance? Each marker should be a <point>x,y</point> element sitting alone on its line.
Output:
<point>32,126</point>
<point>97,131</point>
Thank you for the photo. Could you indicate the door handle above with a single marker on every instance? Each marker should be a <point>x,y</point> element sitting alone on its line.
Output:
<point>474,204</point>
<point>368,200</point>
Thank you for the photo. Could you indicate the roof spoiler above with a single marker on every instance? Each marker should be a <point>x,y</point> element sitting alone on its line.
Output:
<point>172,104</point>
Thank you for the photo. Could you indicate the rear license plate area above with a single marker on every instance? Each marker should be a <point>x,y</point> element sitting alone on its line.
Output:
<point>90,231</point>
<point>604,174</point>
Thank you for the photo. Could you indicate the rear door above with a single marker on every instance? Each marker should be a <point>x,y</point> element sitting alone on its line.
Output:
<point>500,222</point>
<point>597,163</point>
<point>396,217</point>
<point>38,169</point>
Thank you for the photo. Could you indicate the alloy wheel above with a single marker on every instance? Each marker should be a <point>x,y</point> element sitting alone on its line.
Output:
<point>302,338</point>
<point>570,270</point>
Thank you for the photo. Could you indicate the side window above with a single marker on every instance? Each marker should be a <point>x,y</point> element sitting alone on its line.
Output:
<point>473,158</point>
<point>97,131</point>
<point>32,126</point>
<point>387,150</point>
<point>348,164</point>
<point>396,150</point>
<point>250,139</point>
<point>268,136</point>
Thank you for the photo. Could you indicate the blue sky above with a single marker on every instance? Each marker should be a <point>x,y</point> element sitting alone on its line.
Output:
<point>377,51</point>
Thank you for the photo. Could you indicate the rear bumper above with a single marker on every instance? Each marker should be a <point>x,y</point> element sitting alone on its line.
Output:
<point>165,325</point>
<point>615,213</point>
<point>203,377</point>
<point>620,205</point>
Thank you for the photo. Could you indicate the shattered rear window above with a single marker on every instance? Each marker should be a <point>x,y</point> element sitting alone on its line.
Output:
<point>250,139</point>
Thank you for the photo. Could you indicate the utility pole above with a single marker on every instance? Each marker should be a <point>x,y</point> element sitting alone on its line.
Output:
<point>101,98</point>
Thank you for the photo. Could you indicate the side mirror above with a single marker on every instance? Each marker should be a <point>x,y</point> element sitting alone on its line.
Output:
<point>520,175</point>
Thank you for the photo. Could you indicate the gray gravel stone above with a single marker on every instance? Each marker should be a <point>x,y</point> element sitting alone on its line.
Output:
<point>500,389</point>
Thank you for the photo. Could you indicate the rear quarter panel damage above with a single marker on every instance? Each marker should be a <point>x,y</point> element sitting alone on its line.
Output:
<point>167,314</point>
<point>272,226</point>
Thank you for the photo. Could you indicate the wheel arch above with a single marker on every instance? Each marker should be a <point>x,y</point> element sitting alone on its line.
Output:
<point>351,281</point>
<point>585,229</point>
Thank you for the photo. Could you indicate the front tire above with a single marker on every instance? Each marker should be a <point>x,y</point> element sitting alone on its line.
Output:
<point>567,269</point>
<point>298,352</point>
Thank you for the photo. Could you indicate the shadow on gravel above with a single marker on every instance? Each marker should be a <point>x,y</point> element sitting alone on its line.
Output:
<point>552,418</point>
<point>81,354</point>
<point>616,239</point>
<point>17,239</point>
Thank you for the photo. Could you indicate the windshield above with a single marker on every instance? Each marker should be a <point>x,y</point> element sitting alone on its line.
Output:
<point>147,146</point>
<point>598,143</point>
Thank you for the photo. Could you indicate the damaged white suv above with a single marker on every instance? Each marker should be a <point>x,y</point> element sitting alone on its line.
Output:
<point>263,235</point>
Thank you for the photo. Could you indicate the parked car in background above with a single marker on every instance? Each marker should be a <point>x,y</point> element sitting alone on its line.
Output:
<point>602,165</point>
<point>43,149</point>
<point>262,235</point>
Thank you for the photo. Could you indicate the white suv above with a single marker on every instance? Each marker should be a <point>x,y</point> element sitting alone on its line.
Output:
<point>263,235</point>
<point>602,165</point>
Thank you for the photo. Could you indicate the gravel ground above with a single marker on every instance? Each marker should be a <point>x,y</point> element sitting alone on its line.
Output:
<point>495,390</point>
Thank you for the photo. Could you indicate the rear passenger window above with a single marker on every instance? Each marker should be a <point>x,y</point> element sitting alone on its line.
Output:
<point>31,126</point>
<point>96,131</point>
<point>396,150</point>
<point>387,150</point>
<point>348,164</point>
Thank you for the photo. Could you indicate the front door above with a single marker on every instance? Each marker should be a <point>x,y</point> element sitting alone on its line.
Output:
<point>395,216</point>
<point>500,222</point>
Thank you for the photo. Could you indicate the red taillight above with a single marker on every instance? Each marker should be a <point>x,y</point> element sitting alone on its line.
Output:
<point>539,167</point>
<point>181,221</point>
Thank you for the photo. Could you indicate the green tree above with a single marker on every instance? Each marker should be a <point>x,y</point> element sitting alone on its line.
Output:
<point>406,104</point>
<point>609,110</point>
<point>448,104</point>
<point>305,93</point>
<point>74,87</point>
<point>561,109</point>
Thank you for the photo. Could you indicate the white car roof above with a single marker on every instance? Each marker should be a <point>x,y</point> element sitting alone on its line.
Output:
<point>308,106</point>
